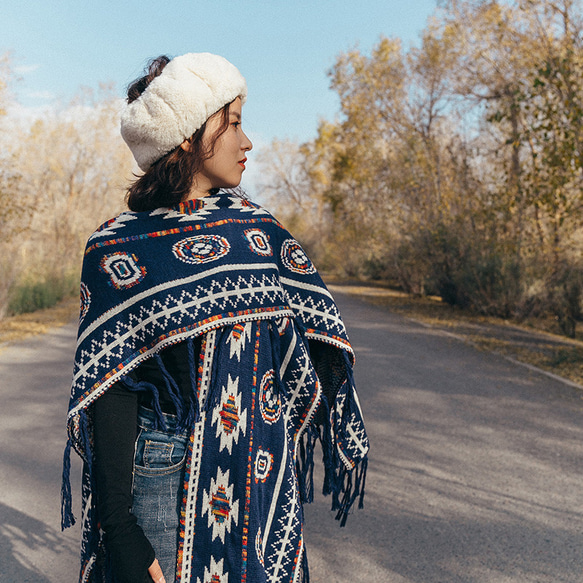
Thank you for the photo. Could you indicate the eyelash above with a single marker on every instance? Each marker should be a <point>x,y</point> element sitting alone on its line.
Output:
<point>236,124</point>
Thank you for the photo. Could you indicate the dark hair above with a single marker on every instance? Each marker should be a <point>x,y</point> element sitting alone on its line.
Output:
<point>169,180</point>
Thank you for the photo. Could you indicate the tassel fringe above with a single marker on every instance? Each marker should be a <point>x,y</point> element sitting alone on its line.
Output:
<point>305,465</point>
<point>67,517</point>
<point>347,486</point>
<point>186,409</point>
<point>172,388</point>
<point>353,483</point>
<point>145,386</point>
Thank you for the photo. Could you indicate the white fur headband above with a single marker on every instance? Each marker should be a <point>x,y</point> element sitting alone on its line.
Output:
<point>175,104</point>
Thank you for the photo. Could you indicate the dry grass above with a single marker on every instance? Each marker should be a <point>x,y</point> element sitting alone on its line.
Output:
<point>532,342</point>
<point>25,325</point>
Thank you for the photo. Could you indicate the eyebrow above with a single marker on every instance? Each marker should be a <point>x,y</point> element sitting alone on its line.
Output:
<point>236,114</point>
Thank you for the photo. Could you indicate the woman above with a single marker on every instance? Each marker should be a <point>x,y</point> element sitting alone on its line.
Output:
<point>210,358</point>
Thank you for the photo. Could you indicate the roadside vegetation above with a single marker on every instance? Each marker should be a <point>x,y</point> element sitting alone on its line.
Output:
<point>61,175</point>
<point>453,170</point>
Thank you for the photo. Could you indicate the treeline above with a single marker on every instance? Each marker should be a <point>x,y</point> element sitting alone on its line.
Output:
<point>60,176</point>
<point>454,167</point>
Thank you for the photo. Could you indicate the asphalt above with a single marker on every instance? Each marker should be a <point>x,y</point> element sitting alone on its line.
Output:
<point>475,470</point>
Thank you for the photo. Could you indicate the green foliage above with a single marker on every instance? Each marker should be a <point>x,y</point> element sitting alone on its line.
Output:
<point>558,293</point>
<point>35,294</point>
<point>462,271</point>
<point>566,356</point>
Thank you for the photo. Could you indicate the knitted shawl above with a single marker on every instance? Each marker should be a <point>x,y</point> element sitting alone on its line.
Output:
<point>152,279</point>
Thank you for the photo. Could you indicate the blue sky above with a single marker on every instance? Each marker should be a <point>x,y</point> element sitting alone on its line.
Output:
<point>284,49</point>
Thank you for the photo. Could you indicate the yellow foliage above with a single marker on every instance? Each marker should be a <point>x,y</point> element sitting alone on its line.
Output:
<point>65,174</point>
<point>457,165</point>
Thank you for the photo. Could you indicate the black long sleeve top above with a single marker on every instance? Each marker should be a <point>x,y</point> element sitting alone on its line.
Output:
<point>115,431</point>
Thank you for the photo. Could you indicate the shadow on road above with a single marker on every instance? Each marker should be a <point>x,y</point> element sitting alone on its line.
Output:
<point>22,536</point>
<point>474,471</point>
<point>423,549</point>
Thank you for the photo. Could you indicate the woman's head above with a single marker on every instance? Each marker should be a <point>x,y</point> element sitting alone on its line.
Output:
<point>182,119</point>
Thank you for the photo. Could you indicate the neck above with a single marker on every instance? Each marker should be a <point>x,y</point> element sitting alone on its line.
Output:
<point>197,192</point>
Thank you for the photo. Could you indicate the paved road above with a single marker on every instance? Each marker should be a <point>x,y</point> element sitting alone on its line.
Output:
<point>475,473</point>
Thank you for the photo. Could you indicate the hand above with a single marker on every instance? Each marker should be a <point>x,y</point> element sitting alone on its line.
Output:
<point>156,573</point>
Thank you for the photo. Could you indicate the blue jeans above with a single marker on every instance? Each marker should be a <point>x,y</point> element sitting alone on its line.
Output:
<point>157,491</point>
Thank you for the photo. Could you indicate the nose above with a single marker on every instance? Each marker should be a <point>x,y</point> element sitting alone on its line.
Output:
<point>246,144</point>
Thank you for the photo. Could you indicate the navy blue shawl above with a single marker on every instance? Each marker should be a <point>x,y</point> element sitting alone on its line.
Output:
<point>152,279</point>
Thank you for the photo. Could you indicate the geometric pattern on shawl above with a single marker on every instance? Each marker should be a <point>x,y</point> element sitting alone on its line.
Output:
<point>156,278</point>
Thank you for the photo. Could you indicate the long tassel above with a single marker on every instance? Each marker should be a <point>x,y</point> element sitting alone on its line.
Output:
<point>305,465</point>
<point>351,482</point>
<point>301,469</point>
<point>353,488</point>
<point>86,441</point>
<point>192,414</point>
<point>361,469</point>
<point>346,486</point>
<point>214,394</point>
<point>145,386</point>
<point>343,506</point>
<point>173,391</point>
<point>310,447</point>
<point>329,455</point>
<point>67,517</point>
<point>362,482</point>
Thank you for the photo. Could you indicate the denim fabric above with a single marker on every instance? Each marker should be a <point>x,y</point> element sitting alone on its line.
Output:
<point>157,490</point>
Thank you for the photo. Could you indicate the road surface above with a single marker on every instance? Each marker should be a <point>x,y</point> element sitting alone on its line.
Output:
<point>475,472</point>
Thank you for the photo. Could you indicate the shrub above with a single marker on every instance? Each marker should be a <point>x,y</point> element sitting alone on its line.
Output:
<point>30,295</point>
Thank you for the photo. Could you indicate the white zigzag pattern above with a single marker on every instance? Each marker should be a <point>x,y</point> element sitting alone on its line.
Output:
<point>237,341</point>
<point>188,307</point>
<point>358,441</point>
<point>237,204</point>
<point>321,312</point>
<point>302,378</point>
<point>170,213</point>
<point>227,438</point>
<point>356,445</point>
<point>279,562</point>
<point>118,223</point>
<point>218,503</point>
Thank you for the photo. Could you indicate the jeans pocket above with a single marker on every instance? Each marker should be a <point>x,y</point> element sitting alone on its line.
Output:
<point>159,453</point>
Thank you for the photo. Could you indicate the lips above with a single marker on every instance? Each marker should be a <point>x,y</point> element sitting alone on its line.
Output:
<point>242,163</point>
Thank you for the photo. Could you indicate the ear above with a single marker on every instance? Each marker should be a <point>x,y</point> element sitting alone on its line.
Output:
<point>186,145</point>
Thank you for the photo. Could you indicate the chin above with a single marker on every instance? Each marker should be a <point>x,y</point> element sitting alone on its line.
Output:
<point>232,184</point>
